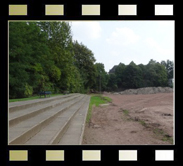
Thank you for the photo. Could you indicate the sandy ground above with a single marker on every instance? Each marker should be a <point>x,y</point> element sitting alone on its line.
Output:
<point>132,120</point>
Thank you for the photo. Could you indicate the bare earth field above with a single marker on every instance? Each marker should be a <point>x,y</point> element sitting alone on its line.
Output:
<point>143,119</point>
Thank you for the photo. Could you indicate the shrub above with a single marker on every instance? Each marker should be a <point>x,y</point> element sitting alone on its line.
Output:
<point>28,90</point>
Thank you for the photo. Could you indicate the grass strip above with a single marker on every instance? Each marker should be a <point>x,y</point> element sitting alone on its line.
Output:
<point>96,100</point>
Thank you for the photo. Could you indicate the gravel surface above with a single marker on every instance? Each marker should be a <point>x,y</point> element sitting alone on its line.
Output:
<point>143,119</point>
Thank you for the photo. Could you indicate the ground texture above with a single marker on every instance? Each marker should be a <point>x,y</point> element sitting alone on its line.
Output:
<point>143,119</point>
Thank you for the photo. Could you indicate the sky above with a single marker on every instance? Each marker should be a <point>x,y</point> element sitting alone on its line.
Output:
<point>113,42</point>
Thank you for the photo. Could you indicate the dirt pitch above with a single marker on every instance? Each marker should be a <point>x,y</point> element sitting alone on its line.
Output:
<point>146,119</point>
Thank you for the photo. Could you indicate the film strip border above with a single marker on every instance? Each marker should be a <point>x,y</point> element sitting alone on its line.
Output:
<point>91,155</point>
<point>90,10</point>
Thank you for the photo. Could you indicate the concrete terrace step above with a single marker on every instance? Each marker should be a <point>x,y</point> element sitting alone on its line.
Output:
<point>23,131</point>
<point>16,117</point>
<point>74,133</point>
<point>52,133</point>
<point>15,106</point>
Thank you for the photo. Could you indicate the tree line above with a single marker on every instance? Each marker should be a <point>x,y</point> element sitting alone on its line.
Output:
<point>153,74</point>
<point>44,57</point>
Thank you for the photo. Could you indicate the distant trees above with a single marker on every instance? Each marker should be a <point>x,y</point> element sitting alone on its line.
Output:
<point>112,83</point>
<point>101,77</point>
<point>169,68</point>
<point>156,75</point>
<point>138,76</point>
<point>118,71</point>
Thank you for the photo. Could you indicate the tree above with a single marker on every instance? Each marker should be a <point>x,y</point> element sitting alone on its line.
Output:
<point>169,67</point>
<point>137,76</point>
<point>113,69</point>
<point>59,40</point>
<point>119,72</point>
<point>112,83</point>
<point>142,69</point>
<point>84,61</point>
<point>42,56</point>
<point>132,76</point>
<point>26,47</point>
<point>156,75</point>
<point>101,77</point>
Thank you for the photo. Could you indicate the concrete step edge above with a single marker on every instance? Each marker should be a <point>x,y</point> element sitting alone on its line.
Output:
<point>78,136</point>
<point>83,127</point>
<point>63,129</point>
<point>19,119</point>
<point>35,129</point>
<point>24,106</point>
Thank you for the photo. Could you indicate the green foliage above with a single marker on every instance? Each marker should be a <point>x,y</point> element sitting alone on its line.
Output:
<point>27,48</point>
<point>28,90</point>
<point>156,75</point>
<point>112,83</point>
<point>59,41</point>
<point>16,87</point>
<point>126,112</point>
<point>164,136</point>
<point>169,68</point>
<point>54,73</point>
<point>43,56</point>
<point>112,71</point>
<point>101,76</point>
<point>107,99</point>
<point>119,74</point>
<point>132,76</point>
<point>129,76</point>
<point>84,61</point>
<point>143,123</point>
<point>76,83</point>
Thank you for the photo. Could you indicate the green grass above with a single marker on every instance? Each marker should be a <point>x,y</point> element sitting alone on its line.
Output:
<point>126,116</point>
<point>165,137</point>
<point>158,131</point>
<point>143,123</point>
<point>107,99</point>
<point>30,98</point>
<point>126,112</point>
<point>96,100</point>
<point>168,139</point>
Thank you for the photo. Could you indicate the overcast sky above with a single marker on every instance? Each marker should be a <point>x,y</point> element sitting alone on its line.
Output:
<point>113,42</point>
